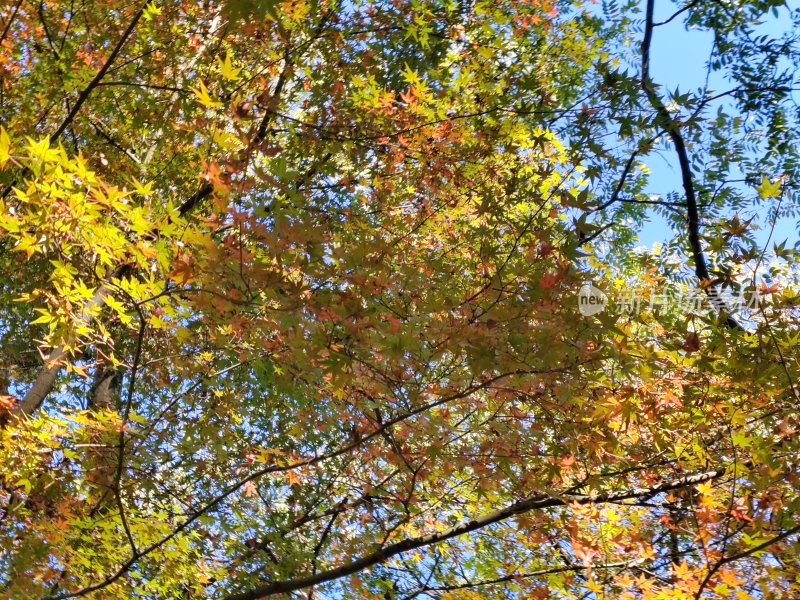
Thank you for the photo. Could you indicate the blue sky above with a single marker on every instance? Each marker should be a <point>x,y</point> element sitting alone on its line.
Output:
<point>678,59</point>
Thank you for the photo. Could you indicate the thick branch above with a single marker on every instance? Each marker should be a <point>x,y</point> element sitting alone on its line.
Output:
<point>46,378</point>
<point>282,468</point>
<point>692,210</point>
<point>537,502</point>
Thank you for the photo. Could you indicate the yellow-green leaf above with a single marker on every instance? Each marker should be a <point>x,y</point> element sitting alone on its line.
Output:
<point>205,99</point>
<point>227,70</point>
<point>5,147</point>
<point>768,189</point>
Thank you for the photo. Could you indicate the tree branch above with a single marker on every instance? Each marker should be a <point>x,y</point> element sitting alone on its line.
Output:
<point>724,561</point>
<point>517,576</point>
<point>282,468</point>
<point>537,502</point>
<point>13,16</point>
<point>47,376</point>
<point>85,93</point>
<point>692,211</point>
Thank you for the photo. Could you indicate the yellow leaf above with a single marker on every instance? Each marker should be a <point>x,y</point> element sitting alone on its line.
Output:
<point>5,147</point>
<point>150,11</point>
<point>39,149</point>
<point>768,189</point>
<point>45,318</point>
<point>704,488</point>
<point>145,189</point>
<point>205,99</point>
<point>80,370</point>
<point>227,70</point>
<point>28,245</point>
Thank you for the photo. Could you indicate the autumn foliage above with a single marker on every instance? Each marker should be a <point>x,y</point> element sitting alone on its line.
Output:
<point>289,302</point>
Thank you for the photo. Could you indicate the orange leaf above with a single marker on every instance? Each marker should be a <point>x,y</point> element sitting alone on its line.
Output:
<point>739,515</point>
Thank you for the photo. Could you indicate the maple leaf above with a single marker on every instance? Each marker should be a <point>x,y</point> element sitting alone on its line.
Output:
<point>585,552</point>
<point>740,515</point>
<point>691,343</point>
<point>730,578</point>
<point>364,308</point>
<point>227,69</point>
<point>5,147</point>
<point>203,96</point>
<point>567,461</point>
<point>249,489</point>
<point>548,280</point>
<point>768,289</point>
<point>769,189</point>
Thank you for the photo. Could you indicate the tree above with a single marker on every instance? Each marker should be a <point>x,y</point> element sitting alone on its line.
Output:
<point>290,302</point>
